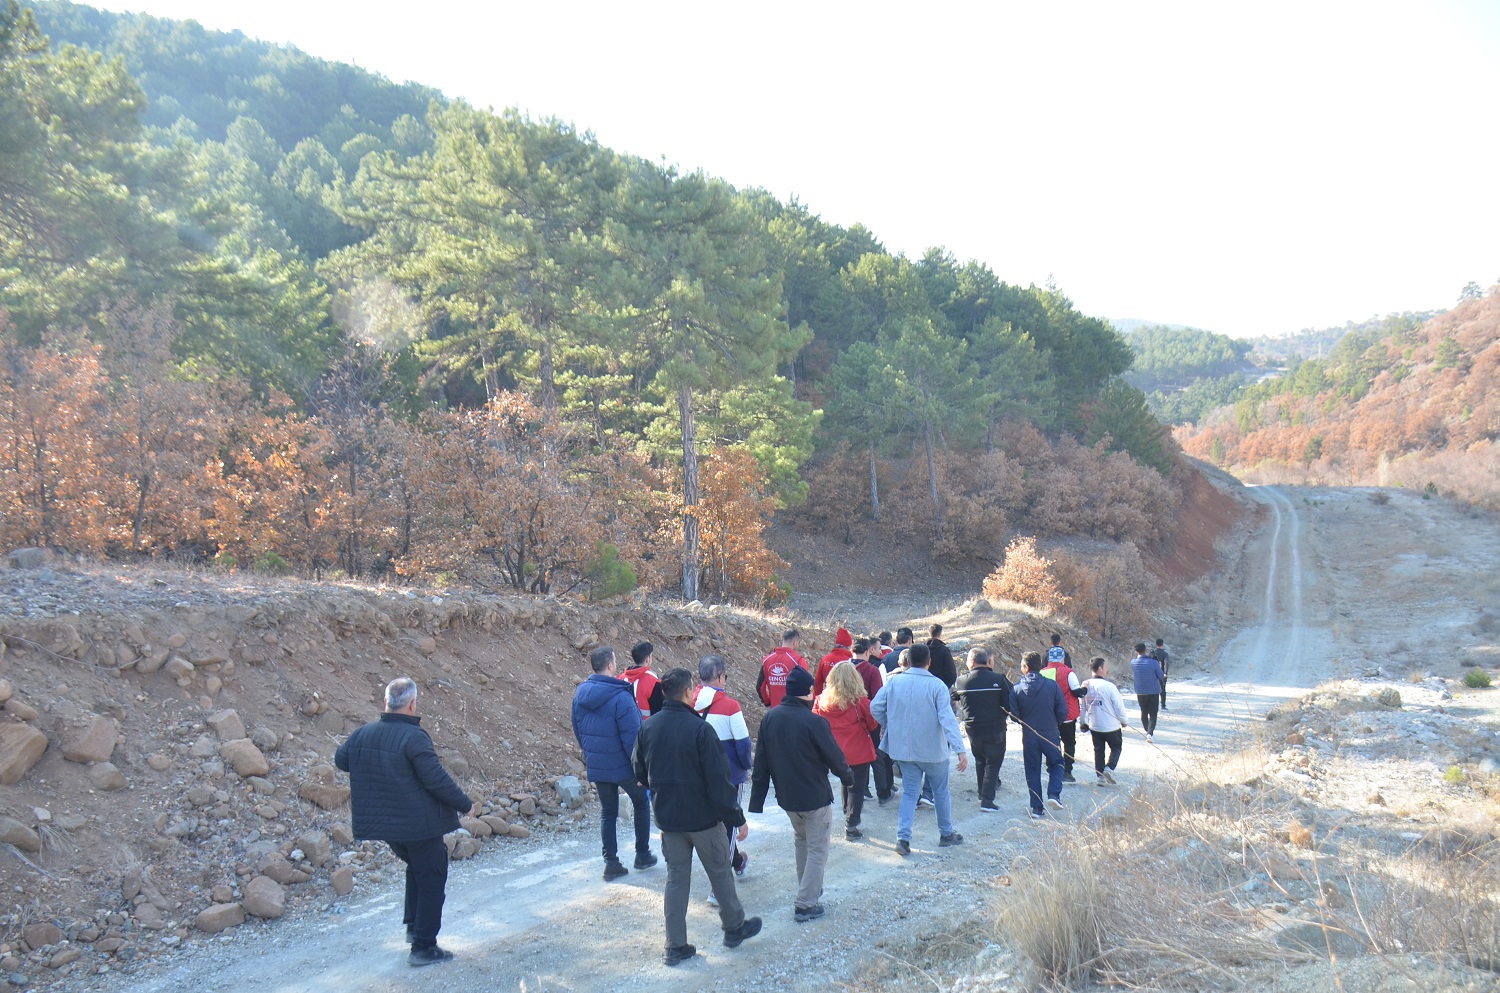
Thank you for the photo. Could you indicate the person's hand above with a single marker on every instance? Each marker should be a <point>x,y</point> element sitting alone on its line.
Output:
<point>473,811</point>
<point>743,832</point>
<point>963,761</point>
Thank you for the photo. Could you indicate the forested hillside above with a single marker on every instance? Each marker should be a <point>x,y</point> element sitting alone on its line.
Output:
<point>1405,403</point>
<point>263,309</point>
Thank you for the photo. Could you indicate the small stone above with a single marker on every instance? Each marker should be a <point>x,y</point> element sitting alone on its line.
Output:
<point>21,747</point>
<point>1296,738</point>
<point>6,690</point>
<point>176,639</point>
<point>341,834</point>
<point>199,796</point>
<point>518,831</point>
<point>203,747</point>
<point>71,822</point>
<point>264,897</point>
<point>42,815</point>
<point>227,725</point>
<point>261,785</point>
<point>219,916</point>
<point>222,893</point>
<point>148,917</point>
<point>316,847</point>
<point>426,645</point>
<point>108,945</point>
<point>277,868</point>
<point>528,807</point>
<point>476,827</point>
<point>497,825</point>
<point>41,933</point>
<point>244,757</point>
<point>160,761</point>
<point>13,832</point>
<point>265,739</point>
<point>342,880</point>
<point>106,776</point>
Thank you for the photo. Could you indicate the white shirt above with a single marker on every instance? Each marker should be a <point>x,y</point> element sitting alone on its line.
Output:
<point>1103,708</point>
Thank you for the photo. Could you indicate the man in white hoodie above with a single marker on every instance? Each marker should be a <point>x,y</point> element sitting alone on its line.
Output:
<point>1104,714</point>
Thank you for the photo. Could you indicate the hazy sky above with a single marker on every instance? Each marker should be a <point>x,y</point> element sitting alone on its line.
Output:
<point>1252,168</point>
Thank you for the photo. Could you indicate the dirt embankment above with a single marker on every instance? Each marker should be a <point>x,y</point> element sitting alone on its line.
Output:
<point>167,739</point>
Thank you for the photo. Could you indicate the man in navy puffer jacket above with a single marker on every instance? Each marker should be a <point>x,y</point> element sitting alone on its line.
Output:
<point>401,794</point>
<point>606,721</point>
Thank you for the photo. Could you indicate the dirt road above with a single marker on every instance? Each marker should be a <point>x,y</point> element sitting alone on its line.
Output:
<point>1321,586</point>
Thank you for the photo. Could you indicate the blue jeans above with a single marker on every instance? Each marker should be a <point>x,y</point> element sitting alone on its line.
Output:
<point>936,775</point>
<point>1033,751</point>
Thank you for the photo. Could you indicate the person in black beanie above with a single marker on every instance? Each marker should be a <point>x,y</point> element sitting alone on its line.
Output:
<point>797,751</point>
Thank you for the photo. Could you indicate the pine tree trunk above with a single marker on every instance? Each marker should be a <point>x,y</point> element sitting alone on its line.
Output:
<point>547,393</point>
<point>874,487</point>
<point>932,486</point>
<point>689,493</point>
<point>989,437</point>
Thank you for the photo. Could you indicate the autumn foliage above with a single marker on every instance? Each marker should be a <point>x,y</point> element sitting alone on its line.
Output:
<point>107,449</point>
<point>1025,576</point>
<point>1407,406</point>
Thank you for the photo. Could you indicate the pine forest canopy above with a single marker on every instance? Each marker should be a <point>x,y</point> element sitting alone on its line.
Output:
<point>334,241</point>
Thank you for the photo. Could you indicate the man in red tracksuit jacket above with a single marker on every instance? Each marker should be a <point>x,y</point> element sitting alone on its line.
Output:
<point>770,685</point>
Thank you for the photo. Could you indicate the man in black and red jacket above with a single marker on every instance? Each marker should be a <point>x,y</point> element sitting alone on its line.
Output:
<point>679,758</point>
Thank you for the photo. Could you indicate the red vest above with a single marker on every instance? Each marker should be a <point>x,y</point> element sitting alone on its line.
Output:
<point>1059,674</point>
<point>774,670</point>
<point>644,681</point>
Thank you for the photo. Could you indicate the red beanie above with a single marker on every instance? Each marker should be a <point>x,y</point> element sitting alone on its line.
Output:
<point>843,639</point>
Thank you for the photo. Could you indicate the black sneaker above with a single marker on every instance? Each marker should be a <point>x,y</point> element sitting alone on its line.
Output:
<point>989,808</point>
<point>885,801</point>
<point>1068,778</point>
<point>853,834</point>
<point>749,929</point>
<point>644,860</point>
<point>903,847</point>
<point>614,870</point>
<point>949,840</point>
<point>428,956</point>
<point>804,914</point>
<point>679,954</point>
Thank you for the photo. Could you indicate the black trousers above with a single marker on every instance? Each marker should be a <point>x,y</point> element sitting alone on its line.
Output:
<point>1068,732</point>
<point>1164,692</point>
<point>426,887</point>
<point>854,796</point>
<point>1149,703</point>
<point>1113,740</point>
<point>989,755</point>
<point>883,770</point>
<point>609,816</point>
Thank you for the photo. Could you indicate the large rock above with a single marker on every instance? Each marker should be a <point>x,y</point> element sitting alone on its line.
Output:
<point>13,832</point>
<point>94,742</point>
<point>264,897</point>
<point>570,791</point>
<point>227,725</point>
<point>105,776</point>
<point>220,916</point>
<point>41,933</point>
<point>316,848</point>
<point>246,759</point>
<point>28,558</point>
<point>329,796</point>
<point>342,880</point>
<point>6,690</point>
<point>178,667</point>
<point>21,747</point>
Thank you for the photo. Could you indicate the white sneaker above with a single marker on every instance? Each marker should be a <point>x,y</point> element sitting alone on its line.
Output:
<point>1054,803</point>
<point>1148,739</point>
<point>713,901</point>
<point>1109,776</point>
<point>922,801</point>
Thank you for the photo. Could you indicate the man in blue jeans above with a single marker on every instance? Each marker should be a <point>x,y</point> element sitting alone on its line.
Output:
<point>606,722</point>
<point>1037,705</point>
<point>919,731</point>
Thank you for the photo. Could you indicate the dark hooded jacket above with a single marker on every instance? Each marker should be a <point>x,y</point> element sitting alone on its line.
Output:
<point>606,721</point>
<point>679,757</point>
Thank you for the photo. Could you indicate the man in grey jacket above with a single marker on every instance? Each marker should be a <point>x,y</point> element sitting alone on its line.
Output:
<point>401,794</point>
<point>920,731</point>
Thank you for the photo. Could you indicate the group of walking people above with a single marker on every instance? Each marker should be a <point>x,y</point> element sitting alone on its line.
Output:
<point>873,711</point>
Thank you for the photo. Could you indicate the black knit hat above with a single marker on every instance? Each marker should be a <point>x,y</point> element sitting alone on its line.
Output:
<point>799,682</point>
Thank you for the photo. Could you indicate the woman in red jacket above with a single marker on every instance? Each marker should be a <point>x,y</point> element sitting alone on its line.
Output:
<point>845,706</point>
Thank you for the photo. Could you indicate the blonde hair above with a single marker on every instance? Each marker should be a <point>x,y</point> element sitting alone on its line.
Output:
<point>843,688</point>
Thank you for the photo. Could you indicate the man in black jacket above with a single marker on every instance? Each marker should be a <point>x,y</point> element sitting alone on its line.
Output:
<point>983,698</point>
<point>942,665</point>
<point>401,794</point>
<point>797,751</point>
<point>678,756</point>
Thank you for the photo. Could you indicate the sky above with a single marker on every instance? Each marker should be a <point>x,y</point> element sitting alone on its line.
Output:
<point>1248,168</point>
